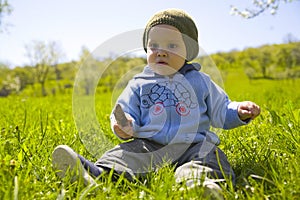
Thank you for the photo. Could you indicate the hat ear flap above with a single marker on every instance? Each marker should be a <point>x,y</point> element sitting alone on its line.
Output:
<point>192,47</point>
<point>145,39</point>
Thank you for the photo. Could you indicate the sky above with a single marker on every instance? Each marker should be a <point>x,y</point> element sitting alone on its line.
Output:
<point>75,24</point>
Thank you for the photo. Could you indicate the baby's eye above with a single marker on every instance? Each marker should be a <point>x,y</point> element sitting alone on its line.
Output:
<point>153,46</point>
<point>172,46</point>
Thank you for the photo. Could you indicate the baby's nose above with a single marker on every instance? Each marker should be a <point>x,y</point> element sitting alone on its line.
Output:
<point>161,53</point>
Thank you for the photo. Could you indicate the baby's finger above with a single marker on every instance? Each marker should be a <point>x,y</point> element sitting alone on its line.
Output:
<point>245,114</point>
<point>255,111</point>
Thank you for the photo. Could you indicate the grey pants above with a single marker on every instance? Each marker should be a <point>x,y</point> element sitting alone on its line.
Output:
<point>138,157</point>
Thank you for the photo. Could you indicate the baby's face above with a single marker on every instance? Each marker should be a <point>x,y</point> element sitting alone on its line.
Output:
<point>166,51</point>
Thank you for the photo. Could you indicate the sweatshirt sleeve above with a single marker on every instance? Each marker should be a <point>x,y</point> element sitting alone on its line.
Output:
<point>232,118</point>
<point>129,101</point>
<point>222,112</point>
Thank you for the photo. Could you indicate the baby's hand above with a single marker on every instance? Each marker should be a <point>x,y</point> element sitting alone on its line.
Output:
<point>122,123</point>
<point>248,110</point>
<point>124,132</point>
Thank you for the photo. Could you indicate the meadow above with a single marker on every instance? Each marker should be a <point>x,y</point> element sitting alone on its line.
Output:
<point>264,154</point>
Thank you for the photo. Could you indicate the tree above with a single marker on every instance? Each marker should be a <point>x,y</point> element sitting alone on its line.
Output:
<point>24,76</point>
<point>5,9</point>
<point>87,73</point>
<point>259,6</point>
<point>290,38</point>
<point>42,56</point>
<point>265,60</point>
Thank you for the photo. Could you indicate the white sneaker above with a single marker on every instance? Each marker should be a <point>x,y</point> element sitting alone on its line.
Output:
<point>65,160</point>
<point>212,190</point>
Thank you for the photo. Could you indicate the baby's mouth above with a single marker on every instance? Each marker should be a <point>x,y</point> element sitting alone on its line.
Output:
<point>162,63</point>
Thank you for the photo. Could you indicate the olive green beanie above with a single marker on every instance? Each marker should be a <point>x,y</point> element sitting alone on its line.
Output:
<point>183,22</point>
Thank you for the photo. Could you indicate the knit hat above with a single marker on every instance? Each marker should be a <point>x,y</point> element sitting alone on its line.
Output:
<point>183,22</point>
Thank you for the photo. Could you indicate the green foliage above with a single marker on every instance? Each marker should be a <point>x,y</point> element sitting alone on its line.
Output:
<point>266,62</point>
<point>120,71</point>
<point>264,154</point>
<point>4,70</point>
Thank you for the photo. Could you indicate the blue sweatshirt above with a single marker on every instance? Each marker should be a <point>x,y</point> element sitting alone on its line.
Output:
<point>178,109</point>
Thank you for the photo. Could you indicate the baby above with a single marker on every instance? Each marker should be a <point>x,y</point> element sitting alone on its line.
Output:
<point>169,109</point>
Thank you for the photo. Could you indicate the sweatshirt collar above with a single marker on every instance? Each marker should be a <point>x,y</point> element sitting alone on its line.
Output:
<point>188,67</point>
<point>148,72</point>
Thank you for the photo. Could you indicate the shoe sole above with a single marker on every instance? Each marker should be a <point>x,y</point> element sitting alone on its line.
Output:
<point>65,160</point>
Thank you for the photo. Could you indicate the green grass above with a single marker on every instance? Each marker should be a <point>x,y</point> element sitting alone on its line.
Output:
<point>264,154</point>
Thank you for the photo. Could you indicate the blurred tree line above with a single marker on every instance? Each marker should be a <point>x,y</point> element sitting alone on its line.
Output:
<point>46,76</point>
<point>278,61</point>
